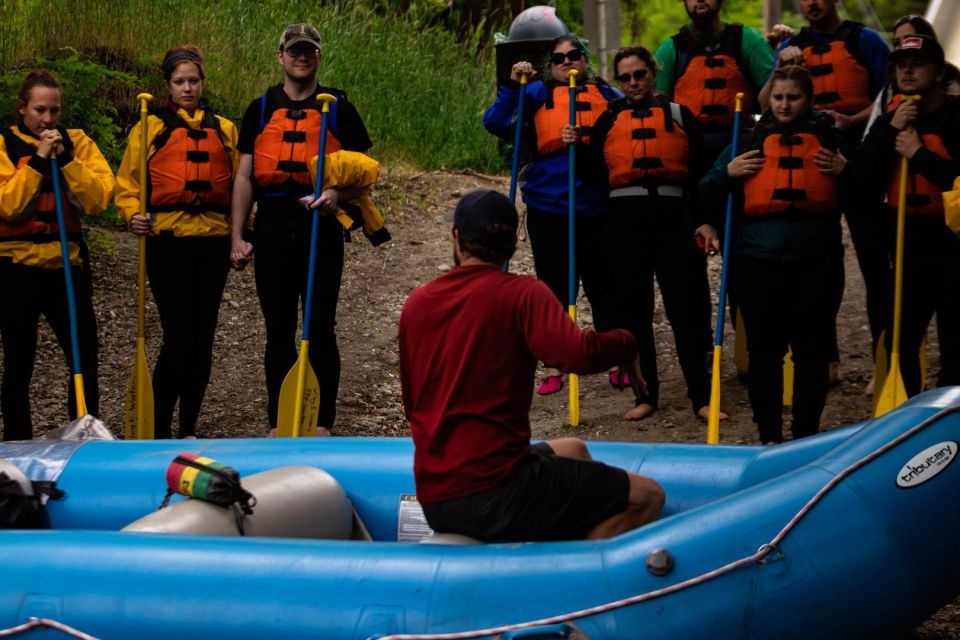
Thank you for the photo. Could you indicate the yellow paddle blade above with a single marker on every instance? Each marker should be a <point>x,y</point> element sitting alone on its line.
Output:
<point>299,403</point>
<point>713,420</point>
<point>574,382</point>
<point>893,393</point>
<point>138,409</point>
<point>740,356</point>
<point>788,378</point>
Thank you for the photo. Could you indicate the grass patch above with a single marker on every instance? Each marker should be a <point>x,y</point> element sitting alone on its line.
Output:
<point>421,94</point>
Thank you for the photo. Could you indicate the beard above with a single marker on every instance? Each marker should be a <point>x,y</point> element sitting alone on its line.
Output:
<point>704,19</point>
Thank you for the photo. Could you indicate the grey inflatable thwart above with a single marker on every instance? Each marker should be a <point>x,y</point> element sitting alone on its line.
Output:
<point>292,502</point>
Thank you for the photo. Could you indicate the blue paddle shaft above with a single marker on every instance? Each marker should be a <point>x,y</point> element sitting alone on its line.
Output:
<point>67,272</point>
<point>315,228</point>
<point>722,302</point>
<point>572,200</point>
<point>518,130</point>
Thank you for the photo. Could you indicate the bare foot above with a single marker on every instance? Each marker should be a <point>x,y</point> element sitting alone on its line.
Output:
<point>639,412</point>
<point>189,437</point>
<point>871,387</point>
<point>704,413</point>
<point>272,433</point>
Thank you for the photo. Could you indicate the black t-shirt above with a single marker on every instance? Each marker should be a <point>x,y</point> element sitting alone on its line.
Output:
<point>345,121</point>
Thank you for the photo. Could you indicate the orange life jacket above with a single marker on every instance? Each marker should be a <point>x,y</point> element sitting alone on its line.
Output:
<point>647,144</point>
<point>551,117</point>
<point>709,79</point>
<point>841,81</point>
<point>923,197</point>
<point>190,169</point>
<point>789,178</point>
<point>287,142</point>
<point>39,224</point>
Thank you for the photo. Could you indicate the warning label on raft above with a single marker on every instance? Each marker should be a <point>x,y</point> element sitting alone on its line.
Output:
<point>412,525</point>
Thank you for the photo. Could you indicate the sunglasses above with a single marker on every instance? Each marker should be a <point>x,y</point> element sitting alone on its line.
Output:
<point>638,74</point>
<point>573,55</point>
<point>301,52</point>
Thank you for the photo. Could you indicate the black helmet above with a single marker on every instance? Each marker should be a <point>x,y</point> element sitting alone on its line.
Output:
<point>537,23</point>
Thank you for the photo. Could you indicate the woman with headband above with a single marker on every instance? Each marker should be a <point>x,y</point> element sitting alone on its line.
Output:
<point>31,263</point>
<point>191,159</point>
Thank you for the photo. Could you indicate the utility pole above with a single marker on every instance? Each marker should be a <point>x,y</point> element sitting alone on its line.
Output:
<point>601,23</point>
<point>771,14</point>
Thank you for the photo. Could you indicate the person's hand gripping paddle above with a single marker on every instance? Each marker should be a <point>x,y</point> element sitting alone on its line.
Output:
<point>299,403</point>
<point>892,391</point>
<point>573,378</point>
<point>83,416</point>
<point>713,418</point>
<point>138,413</point>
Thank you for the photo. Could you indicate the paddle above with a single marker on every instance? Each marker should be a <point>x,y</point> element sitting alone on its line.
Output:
<point>574,379</point>
<point>515,165</point>
<point>82,414</point>
<point>138,414</point>
<point>893,392</point>
<point>299,403</point>
<point>713,418</point>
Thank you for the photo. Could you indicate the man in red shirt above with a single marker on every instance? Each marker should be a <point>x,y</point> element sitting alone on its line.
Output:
<point>469,346</point>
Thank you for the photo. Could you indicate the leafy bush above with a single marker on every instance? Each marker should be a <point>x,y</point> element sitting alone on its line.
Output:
<point>91,92</point>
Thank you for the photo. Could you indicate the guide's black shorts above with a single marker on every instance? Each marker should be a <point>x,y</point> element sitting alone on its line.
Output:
<point>548,497</point>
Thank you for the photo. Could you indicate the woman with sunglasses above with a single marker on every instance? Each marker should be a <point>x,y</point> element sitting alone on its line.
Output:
<point>31,263</point>
<point>191,159</point>
<point>649,151</point>
<point>787,185</point>
<point>545,190</point>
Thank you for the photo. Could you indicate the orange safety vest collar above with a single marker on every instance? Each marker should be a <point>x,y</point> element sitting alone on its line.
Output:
<point>708,81</point>
<point>190,169</point>
<point>923,197</point>
<point>286,145</point>
<point>789,178</point>
<point>554,114</point>
<point>40,222</point>
<point>840,81</point>
<point>647,145</point>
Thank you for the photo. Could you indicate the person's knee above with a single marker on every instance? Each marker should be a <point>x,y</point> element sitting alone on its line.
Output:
<point>647,494</point>
<point>570,448</point>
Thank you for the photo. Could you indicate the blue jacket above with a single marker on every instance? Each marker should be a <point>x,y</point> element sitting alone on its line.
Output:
<point>547,178</point>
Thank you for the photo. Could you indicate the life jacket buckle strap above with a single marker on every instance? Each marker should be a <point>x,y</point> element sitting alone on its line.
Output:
<point>645,133</point>
<point>198,156</point>
<point>196,134</point>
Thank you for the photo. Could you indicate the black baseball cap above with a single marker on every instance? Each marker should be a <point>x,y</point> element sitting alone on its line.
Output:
<point>920,46</point>
<point>479,210</point>
<point>300,32</point>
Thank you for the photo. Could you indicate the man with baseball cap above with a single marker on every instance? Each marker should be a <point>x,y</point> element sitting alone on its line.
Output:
<point>278,140</point>
<point>924,131</point>
<point>469,346</point>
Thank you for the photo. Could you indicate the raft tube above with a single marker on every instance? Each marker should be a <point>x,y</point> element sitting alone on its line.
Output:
<point>872,557</point>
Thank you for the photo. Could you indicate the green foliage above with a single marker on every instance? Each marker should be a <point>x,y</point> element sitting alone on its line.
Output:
<point>421,94</point>
<point>89,103</point>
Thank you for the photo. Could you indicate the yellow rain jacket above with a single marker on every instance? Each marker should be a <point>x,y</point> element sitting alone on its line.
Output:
<point>353,169</point>
<point>28,232</point>
<point>951,207</point>
<point>181,223</point>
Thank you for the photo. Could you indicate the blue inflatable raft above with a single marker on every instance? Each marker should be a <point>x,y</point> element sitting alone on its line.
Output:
<point>849,534</point>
